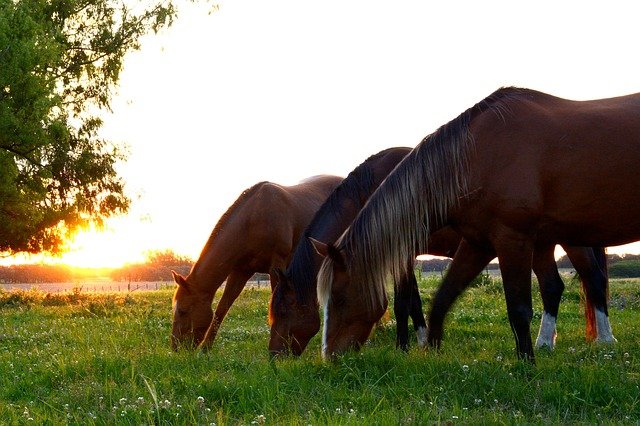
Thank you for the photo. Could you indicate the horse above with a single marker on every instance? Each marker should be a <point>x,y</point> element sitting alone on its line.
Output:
<point>256,234</point>
<point>293,307</point>
<point>519,171</point>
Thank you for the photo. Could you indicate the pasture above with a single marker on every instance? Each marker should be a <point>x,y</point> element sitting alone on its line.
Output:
<point>83,358</point>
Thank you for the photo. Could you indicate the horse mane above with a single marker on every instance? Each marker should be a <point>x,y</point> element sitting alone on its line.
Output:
<point>217,229</point>
<point>357,187</point>
<point>415,198</point>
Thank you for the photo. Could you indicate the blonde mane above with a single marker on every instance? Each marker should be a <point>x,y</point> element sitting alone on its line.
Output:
<point>413,200</point>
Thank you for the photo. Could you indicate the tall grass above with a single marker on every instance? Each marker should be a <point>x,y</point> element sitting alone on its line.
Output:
<point>105,359</point>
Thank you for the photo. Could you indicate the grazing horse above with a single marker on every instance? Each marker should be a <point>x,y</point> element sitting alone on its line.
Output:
<point>518,172</point>
<point>257,233</point>
<point>293,308</point>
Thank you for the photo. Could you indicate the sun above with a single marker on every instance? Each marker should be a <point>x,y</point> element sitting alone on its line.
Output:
<point>100,248</point>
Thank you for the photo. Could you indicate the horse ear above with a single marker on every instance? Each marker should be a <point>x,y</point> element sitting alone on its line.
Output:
<point>321,248</point>
<point>329,250</point>
<point>179,279</point>
<point>336,255</point>
<point>279,276</point>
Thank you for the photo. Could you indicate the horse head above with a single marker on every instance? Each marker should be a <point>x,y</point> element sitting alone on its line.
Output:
<point>192,315</point>
<point>293,322</point>
<point>352,318</point>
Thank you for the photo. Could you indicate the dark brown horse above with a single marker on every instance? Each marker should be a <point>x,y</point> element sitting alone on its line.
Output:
<point>293,309</point>
<point>518,172</point>
<point>257,233</point>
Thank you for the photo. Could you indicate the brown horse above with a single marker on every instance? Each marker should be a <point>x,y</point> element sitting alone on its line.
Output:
<point>257,233</point>
<point>520,171</point>
<point>293,309</point>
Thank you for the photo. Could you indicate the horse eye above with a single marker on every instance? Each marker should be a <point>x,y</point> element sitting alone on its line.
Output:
<point>337,300</point>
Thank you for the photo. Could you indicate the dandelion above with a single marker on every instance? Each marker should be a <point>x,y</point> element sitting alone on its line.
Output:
<point>123,401</point>
<point>499,358</point>
<point>465,368</point>
<point>477,401</point>
<point>140,400</point>
<point>200,400</point>
<point>259,420</point>
<point>626,355</point>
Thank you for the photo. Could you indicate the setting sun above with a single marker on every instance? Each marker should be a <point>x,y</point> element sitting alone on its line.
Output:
<point>95,248</point>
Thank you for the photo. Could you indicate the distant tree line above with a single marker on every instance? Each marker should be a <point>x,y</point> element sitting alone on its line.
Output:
<point>159,265</point>
<point>625,266</point>
<point>34,274</point>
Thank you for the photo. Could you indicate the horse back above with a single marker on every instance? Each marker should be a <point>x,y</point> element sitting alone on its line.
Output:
<point>278,214</point>
<point>555,167</point>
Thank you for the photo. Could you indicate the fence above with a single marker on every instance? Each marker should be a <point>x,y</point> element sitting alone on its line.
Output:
<point>103,286</point>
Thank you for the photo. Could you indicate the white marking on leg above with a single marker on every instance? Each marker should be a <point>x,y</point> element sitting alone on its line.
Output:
<point>325,356</point>
<point>547,333</point>
<point>603,328</point>
<point>421,334</point>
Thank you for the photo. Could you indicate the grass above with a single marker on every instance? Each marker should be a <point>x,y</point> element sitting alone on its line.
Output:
<point>87,359</point>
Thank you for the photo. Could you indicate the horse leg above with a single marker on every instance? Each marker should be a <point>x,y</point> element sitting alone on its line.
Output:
<point>515,254</point>
<point>591,266</point>
<point>401,303</point>
<point>468,262</point>
<point>407,303</point>
<point>551,288</point>
<point>232,288</point>
<point>415,310</point>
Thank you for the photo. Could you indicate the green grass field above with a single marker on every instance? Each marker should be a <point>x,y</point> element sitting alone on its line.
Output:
<point>105,359</point>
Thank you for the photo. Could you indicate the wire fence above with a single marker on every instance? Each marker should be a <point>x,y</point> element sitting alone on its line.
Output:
<point>103,286</point>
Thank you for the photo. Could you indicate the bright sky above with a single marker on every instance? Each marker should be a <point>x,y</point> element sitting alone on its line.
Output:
<point>283,90</point>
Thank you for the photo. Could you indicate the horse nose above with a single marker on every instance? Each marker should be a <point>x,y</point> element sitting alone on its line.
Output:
<point>279,353</point>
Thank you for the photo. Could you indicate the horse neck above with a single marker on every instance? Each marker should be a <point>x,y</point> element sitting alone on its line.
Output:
<point>412,202</point>
<point>214,265</point>
<point>335,216</point>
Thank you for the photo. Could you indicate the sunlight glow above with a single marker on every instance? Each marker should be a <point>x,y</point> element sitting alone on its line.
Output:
<point>96,248</point>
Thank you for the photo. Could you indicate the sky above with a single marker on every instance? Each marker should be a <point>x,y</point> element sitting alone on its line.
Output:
<point>238,92</point>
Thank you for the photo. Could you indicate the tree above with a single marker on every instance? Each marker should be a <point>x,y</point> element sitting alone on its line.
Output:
<point>59,66</point>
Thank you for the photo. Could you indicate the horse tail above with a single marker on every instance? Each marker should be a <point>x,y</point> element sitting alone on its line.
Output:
<point>600,255</point>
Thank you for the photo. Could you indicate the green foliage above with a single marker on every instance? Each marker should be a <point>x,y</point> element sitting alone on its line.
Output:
<point>105,359</point>
<point>625,269</point>
<point>60,61</point>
